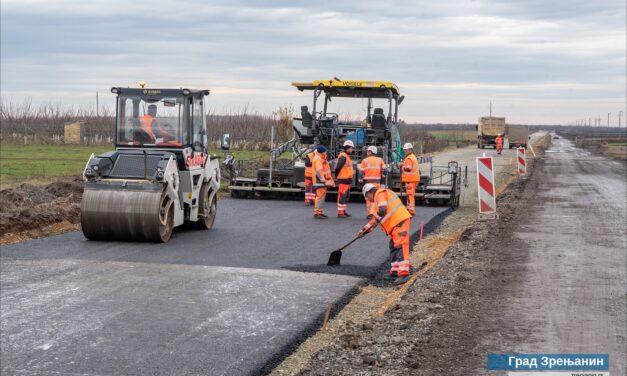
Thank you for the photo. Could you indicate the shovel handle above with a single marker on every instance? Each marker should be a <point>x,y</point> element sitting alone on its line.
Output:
<point>353,240</point>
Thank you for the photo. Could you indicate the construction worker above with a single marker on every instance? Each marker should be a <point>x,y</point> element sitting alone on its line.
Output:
<point>371,170</point>
<point>344,174</point>
<point>395,222</point>
<point>149,125</point>
<point>410,176</point>
<point>321,180</point>
<point>499,143</point>
<point>310,195</point>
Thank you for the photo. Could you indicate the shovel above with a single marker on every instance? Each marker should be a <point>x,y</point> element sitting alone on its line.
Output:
<point>336,256</point>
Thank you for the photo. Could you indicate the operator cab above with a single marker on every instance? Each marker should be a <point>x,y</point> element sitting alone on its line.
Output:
<point>321,126</point>
<point>155,121</point>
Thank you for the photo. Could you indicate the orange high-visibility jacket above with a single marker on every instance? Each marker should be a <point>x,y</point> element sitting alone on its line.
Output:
<point>346,173</point>
<point>309,169</point>
<point>146,126</point>
<point>321,170</point>
<point>395,212</point>
<point>372,169</point>
<point>499,141</point>
<point>411,171</point>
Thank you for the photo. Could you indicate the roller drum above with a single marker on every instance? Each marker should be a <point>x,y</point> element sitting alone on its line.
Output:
<point>122,214</point>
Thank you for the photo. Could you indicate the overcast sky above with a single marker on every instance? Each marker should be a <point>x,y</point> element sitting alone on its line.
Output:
<point>539,61</point>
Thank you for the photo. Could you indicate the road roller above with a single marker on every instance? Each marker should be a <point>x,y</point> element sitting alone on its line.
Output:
<point>160,174</point>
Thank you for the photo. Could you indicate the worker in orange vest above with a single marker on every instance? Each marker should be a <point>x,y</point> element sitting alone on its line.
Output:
<point>150,126</point>
<point>410,176</point>
<point>395,221</point>
<point>321,180</point>
<point>344,174</point>
<point>499,143</point>
<point>371,170</point>
<point>310,195</point>
<point>148,123</point>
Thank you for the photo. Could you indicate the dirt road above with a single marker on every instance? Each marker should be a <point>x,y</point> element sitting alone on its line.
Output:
<point>549,277</point>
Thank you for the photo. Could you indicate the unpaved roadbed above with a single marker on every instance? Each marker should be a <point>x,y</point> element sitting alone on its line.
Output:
<point>31,211</point>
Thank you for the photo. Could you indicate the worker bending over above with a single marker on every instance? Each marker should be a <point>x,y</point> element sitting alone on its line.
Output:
<point>371,170</point>
<point>395,220</point>
<point>499,143</point>
<point>344,174</point>
<point>410,176</point>
<point>321,180</point>
<point>310,195</point>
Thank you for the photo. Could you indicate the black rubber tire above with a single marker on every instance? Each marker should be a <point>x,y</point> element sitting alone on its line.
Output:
<point>206,210</point>
<point>166,218</point>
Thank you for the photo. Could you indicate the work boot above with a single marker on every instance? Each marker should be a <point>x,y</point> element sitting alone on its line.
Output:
<point>324,215</point>
<point>343,215</point>
<point>320,216</point>
<point>369,216</point>
<point>307,203</point>
<point>390,277</point>
<point>401,280</point>
<point>347,214</point>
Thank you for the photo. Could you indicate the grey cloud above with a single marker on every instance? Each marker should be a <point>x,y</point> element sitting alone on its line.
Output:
<point>246,47</point>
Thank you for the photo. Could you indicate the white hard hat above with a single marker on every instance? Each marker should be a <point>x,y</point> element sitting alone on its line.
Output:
<point>408,145</point>
<point>372,149</point>
<point>349,143</point>
<point>367,188</point>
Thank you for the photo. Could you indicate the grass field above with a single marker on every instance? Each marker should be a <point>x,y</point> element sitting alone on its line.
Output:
<point>41,164</point>
<point>453,136</point>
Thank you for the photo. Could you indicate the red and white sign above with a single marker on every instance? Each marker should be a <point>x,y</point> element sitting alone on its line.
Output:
<point>486,187</point>
<point>522,162</point>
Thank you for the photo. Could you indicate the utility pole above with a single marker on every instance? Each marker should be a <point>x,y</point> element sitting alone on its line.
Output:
<point>97,105</point>
<point>490,108</point>
<point>620,113</point>
<point>608,119</point>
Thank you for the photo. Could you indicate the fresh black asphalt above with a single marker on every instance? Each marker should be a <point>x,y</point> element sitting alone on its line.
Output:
<point>221,302</point>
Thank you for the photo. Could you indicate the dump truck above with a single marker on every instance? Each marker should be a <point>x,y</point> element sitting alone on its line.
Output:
<point>321,126</point>
<point>517,135</point>
<point>487,130</point>
<point>160,174</point>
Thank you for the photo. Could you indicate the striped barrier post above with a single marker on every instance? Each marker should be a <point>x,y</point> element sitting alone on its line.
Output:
<point>522,162</point>
<point>486,188</point>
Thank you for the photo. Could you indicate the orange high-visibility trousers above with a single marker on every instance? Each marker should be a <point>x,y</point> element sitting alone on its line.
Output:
<point>410,190</point>
<point>310,196</point>
<point>343,191</point>
<point>321,193</point>
<point>370,207</point>
<point>399,249</point>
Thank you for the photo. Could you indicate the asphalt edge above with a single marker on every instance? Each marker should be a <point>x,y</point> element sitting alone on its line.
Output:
<point>342,301</point>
